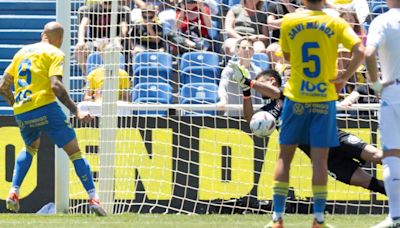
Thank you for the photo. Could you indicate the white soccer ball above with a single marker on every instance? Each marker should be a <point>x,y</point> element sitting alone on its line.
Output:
<point>262,124</point>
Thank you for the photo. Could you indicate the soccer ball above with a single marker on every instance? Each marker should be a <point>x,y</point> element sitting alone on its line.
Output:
<point>262,124</point>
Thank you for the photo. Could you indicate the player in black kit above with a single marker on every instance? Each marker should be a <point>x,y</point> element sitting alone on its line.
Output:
<point>345,161</point>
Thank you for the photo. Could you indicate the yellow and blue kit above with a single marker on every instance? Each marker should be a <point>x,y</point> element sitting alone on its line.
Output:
<point>35,106</point>
<point>311,38</point>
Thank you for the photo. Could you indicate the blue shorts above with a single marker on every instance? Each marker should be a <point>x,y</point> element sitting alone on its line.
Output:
<point>311,124</point>
<point>49,119</point>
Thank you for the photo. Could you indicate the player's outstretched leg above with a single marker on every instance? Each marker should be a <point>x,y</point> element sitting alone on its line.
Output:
<point>84,173</point>
<point>22,165</point>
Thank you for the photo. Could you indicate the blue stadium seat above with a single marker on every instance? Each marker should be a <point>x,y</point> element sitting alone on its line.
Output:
<point>199,93</point>
<point>94,60</point>
<point>199,67</point>
<point>374,3</point>
<point>233,2</point>
<point>152,93</point>
<point>379,9</point>
<point>152,67</point>
<point>261,60</point>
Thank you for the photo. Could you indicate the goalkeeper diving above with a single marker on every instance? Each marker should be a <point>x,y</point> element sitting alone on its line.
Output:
<point>344,162</point>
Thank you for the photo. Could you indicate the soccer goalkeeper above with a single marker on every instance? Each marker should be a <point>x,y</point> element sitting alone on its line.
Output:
<point>36,72</point>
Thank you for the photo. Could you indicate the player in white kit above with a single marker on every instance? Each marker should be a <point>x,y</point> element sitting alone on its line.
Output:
<point>384,37</point>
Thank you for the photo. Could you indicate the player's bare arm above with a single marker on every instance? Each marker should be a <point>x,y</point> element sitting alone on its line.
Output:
<point>247,109</point>
<point>5,89</point>
<point>62,95</point>
<point>358,54</point>
<point>267,89</point>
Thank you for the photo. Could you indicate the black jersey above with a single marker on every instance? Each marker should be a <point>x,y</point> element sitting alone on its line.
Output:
<point>344,159</point>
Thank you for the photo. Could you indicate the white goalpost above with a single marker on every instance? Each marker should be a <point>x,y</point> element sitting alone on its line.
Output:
<point>61,182</point>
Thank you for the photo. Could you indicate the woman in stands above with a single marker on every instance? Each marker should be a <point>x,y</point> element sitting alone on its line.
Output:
<point>246,19</point>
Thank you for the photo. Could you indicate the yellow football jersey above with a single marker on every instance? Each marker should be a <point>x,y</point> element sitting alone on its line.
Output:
<point>342,2</point>
<point>31,69</point>
<point>95,79</point>
<point>312,38</point>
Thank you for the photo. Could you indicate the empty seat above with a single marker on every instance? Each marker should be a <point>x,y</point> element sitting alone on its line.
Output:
<point>199,93</point>
<point>152,67</point>
<point>379,9</point>
<point>261,60</point>
<point>95,59</point>
<point>199,67</point>
<point>152,93</point>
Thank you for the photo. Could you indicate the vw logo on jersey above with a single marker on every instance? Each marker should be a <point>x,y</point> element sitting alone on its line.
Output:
<point>353,139</point>
<point>21,124</point>
<point>298,109</point>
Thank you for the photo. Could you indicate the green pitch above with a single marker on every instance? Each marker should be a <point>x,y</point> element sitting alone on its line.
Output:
<point>178,221</point>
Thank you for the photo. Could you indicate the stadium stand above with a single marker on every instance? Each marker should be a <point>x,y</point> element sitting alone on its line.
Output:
<point>152,93</point>
<point>152,67</point>
<point>199,93</point>
<point>199,67</point>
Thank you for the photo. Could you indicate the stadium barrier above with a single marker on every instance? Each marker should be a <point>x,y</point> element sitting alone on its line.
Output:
<point>182,165</point>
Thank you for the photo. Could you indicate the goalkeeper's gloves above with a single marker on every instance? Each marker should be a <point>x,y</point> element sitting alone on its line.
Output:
<point>377,86</point>
<point>242,76</point>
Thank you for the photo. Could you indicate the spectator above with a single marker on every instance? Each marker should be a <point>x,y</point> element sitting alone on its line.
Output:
<point>93,94</point>
<point>275,56</point>
<point>166,9</point>
<point>246,19</point>
<point>229,91</point>
<point>147,32</point>
<point>121,2</point>
<point>193,22</point>
<point>360,7</point>
<point>362,95</point>
<point>95,21</point>
<point>276,10</point>
<point>95,82</point>
<point>351,18</point>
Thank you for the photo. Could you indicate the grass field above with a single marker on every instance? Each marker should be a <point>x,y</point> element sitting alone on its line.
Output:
<point>207,221</point>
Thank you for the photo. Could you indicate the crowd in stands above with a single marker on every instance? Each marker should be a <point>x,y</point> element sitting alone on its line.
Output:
<point>239,31</point>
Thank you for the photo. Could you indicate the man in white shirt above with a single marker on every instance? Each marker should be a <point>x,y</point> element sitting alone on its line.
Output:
<point>229,90</point>
<point>383,37</point>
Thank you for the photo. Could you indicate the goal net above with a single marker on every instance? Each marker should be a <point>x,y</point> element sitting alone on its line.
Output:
<point>164,140</point>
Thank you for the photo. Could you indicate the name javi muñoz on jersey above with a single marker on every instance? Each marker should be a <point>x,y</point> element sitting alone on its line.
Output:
<point>312,38</point>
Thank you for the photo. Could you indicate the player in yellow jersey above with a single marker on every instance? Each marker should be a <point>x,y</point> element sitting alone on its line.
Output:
<point>95,81</point>
<point>36,72</point>
<point>309,41</point>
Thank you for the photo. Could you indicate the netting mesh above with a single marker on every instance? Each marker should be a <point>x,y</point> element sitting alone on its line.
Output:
<point>169,135</point>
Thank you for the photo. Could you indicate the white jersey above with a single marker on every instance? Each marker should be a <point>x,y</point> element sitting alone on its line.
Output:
<point>384,34</point>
